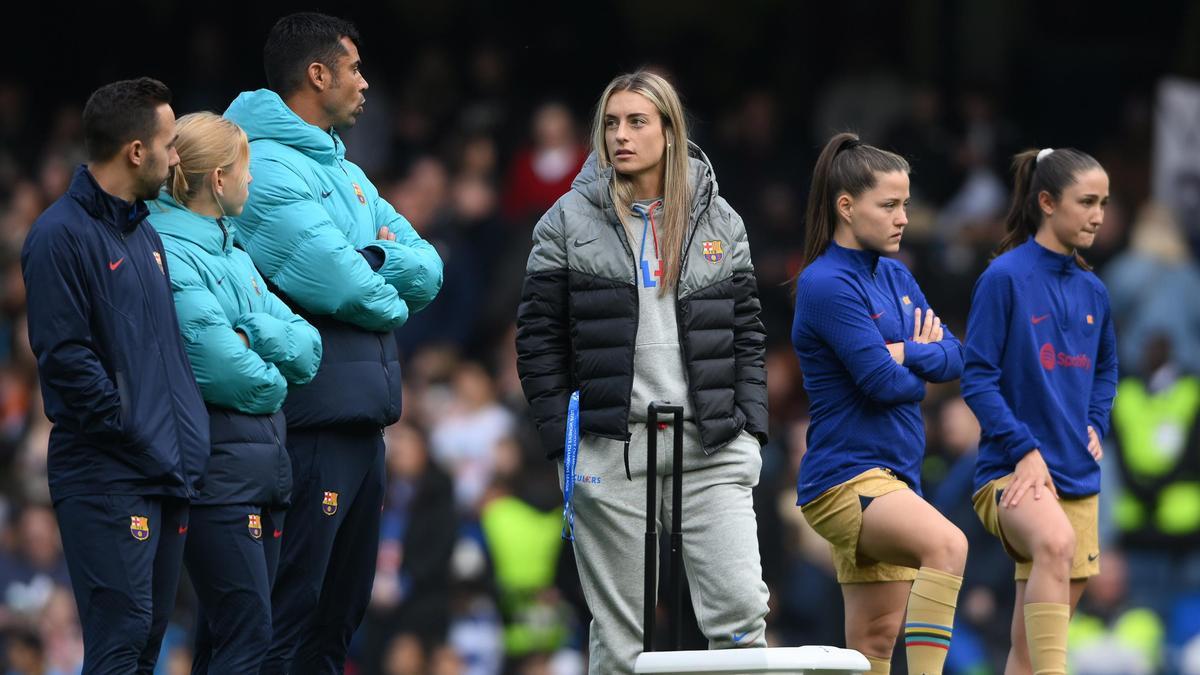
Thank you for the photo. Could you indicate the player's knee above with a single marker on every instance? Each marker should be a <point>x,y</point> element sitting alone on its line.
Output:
<point>947,551</point>
<point>1055,547</point>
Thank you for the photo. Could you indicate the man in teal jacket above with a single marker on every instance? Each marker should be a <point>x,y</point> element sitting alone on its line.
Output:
<point>346,261</point>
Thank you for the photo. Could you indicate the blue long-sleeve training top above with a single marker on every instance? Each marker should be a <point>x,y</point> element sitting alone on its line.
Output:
<point>865,408</point>
<point>1041,366</point>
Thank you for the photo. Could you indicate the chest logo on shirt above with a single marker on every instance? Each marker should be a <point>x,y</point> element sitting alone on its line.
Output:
<point>1090,320</point>
<point>255,526</point>
<point>329,503</point>
<point>905,300</point>
<point>713,252</point>
<point>139,527</point>
<point>362,199</point>
<point>112,266</point>
<point>650,276</point>
<point>1051,359</point>
<point>158,259</point>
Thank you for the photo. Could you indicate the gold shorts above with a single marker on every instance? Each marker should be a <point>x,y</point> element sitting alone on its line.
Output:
<point>836,515</point>
<point>1083,514</point>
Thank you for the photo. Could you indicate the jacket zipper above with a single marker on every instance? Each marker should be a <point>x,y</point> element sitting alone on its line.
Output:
<point>387,373</point>
<point>683,258</point>
<point>637,302</point>
<point>189,490</point>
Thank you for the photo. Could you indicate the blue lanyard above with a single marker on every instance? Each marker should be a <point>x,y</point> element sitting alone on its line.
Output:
<point>570,457</point>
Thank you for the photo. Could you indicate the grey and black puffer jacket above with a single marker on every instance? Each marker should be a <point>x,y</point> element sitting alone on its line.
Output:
<point>578,319</point>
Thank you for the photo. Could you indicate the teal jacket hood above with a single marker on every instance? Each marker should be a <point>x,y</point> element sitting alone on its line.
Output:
<point>263,115</point>
<point>175,220</point>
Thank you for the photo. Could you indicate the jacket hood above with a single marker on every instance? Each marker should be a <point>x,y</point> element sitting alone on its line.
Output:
<point>593,182</point>
<point>174,220</point>
<point>264,116</point>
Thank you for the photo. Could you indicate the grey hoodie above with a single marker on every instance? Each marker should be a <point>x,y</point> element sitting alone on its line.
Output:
<point>584,322</point>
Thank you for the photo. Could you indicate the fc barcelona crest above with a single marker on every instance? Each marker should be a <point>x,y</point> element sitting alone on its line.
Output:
<point>255,526</point>
<point>362,199</point>
<point>329,503</point>
<point>139,527</point>
<point>158,259</point>
<point>713,252</point>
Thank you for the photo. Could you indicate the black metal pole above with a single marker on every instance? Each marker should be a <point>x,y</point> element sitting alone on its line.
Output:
<point>651,595</point>
<point>677,533</point>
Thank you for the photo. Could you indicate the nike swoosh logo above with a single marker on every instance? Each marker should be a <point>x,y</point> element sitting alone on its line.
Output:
<point>278,533</point>
<point>1092,557</point>
<point>737,637</point>
<point>325,194</point>
<point>114,265</point>
<point>183,529</point>
<point>585,243</point>
<point>220,280</point>
<point>1038,319</point>
<point>876,316</point>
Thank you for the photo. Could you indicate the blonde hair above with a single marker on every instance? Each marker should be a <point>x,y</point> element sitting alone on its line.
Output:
<point>205,142</point>
<point>677,197</point>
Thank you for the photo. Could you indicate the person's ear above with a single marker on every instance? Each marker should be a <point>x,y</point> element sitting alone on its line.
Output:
<point>1046,203</point>
<point>844,206</point>
<point>135,152</point>
<point>319,76</point>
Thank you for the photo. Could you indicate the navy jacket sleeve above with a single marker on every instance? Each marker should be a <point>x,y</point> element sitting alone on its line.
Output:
<point>841,320</point>
<point>1104,386</point>
<point>934,361</point>
<point>987,332</point>
<point>60,308</point>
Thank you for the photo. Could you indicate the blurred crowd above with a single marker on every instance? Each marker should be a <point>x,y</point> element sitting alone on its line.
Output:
<point>473,576</point>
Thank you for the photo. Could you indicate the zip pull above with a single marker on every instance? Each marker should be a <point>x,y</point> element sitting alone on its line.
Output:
<point>628,476</point>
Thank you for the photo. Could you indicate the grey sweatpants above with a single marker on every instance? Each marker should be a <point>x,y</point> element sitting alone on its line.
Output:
<point>720,541</point>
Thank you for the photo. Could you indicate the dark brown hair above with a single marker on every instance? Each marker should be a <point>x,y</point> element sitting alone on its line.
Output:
<point>1053,173</point>
<point>845,165</point>
<point>122,112</point>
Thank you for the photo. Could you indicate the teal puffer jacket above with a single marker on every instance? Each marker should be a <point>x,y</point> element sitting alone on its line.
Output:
<point>218,293</point>
<point>310,219</point>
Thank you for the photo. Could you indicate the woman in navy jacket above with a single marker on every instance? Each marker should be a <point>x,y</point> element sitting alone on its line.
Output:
<point>245,347</point>
<point>1041,373</point>
<point>867,343</point>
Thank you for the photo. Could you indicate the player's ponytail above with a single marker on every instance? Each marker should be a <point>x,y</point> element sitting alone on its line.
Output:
<point>205,142</point>
<point>1034,172</point>
<point>846,165</point>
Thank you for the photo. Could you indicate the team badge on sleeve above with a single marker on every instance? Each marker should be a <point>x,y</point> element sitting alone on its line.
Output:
<point>329,503</point>
<point>713,251</point>
<point>362,199</point>
<point>139,527</point>
<point>255,526</point>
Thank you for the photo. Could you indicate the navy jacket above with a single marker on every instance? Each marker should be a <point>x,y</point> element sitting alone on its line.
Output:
<point>128,416</point>
<point>1041,366</point>
<point>865,407</point>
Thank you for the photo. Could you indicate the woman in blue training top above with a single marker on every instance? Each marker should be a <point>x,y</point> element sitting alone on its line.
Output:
<point>245,347</point>
<point>1041,373</point>
<point>867,343</point>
